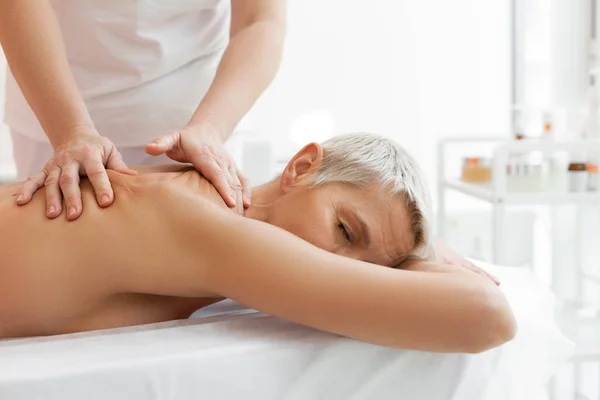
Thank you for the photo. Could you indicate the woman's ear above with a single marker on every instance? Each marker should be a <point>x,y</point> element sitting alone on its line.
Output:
<point>301,165</point>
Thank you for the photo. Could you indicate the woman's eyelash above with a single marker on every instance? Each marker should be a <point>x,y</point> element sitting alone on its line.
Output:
<point>344,231</point>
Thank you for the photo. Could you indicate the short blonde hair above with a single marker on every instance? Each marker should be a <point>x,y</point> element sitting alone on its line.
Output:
<point>363,159</point>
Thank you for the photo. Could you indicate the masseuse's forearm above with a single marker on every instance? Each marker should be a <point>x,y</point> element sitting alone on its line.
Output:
<point>34,48</point>
<point>248,66</point>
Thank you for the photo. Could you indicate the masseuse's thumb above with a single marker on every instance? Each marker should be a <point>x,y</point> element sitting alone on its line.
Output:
<point>163,144</point>
<point>116,163</point>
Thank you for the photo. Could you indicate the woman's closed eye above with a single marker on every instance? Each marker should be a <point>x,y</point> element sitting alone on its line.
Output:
<point>344,231</point>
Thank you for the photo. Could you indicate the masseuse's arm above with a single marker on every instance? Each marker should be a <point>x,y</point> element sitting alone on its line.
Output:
<point>264,267</point>
<point>34,48</point>
<point>247,67</point>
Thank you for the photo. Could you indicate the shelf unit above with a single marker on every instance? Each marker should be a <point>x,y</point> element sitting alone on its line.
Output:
<point>486,193</point>
<point>496,192</point>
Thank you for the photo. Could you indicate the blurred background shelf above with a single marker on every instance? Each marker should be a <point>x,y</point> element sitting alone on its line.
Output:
<point>485,192</point>
<point>498,191</point>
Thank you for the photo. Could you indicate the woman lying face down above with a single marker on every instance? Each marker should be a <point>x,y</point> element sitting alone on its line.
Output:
<point>169,246</point>
<point>359,196</point>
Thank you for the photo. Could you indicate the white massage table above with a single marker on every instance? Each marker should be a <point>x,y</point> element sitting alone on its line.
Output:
<point>242,354</point>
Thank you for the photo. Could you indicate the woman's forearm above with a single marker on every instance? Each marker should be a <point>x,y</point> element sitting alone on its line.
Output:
<point>33,45</point>
<point>248,66</point>
<point>277,273</point>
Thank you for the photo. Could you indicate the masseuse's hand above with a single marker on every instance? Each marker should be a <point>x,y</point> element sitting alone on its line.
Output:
<point>202,145</point>
<point>83,153</point>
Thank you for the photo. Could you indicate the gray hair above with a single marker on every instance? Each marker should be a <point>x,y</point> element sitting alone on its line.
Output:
<point>362,159</point>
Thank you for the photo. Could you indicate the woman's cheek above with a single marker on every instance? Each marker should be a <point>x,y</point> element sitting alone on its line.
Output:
<point>326,239</point>
<point>317,234</point>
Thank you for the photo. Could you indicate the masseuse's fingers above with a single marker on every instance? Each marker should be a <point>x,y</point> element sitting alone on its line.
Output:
<point>53,194</point>
<point>82,152</point>
<point>116,163</point>
<point>236,187</point>
<point>96,173</point>
<point>69,185</point>
<point>31,185</point>
<point>163,144</point>
<point>246,189</point>
<point>202,145</point>
<point>207,163</point>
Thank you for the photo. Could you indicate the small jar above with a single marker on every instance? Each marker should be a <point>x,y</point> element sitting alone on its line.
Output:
<point>476,170</point>
<point>593,179</point>
<point>519,134</point>
<point>578,177</point>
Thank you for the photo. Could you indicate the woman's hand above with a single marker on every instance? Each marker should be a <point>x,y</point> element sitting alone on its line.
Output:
<point>202,145</point>
<point>82,153</point>
<point>450,257</point>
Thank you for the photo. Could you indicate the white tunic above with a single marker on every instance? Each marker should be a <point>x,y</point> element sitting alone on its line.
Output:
<point>142,66</point>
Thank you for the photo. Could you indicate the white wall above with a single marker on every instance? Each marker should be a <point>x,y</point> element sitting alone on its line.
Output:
<point>415,71</point>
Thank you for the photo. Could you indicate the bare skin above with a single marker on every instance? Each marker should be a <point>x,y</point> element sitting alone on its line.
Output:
<point>65,284</point>
<point>169,245</point>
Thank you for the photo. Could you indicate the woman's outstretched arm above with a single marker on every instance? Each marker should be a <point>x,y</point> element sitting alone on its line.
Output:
<point>266,268</point>
<point>277,273</point>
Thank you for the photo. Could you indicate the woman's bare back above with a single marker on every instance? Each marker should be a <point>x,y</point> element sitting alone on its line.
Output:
<point>58,276</point>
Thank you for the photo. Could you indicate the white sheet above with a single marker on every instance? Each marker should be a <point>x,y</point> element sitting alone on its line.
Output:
<point>244,354</point>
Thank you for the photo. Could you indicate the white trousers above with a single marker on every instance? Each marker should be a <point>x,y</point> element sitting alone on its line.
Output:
<point>31,155</point>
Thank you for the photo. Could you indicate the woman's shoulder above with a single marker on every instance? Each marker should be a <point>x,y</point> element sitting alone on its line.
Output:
<point>144,178</point>
<point>168,182</point>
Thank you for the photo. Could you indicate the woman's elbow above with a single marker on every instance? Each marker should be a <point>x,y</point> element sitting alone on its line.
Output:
<point>495,321</point>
